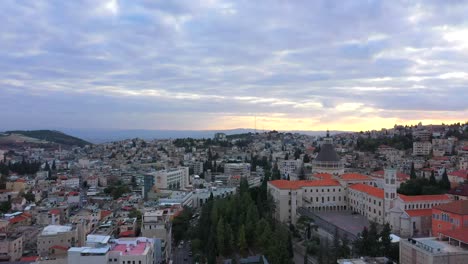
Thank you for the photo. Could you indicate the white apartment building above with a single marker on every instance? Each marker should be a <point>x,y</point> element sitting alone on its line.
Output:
<point>101,249</point>
<point>237,169</point>
<point>175,178</point>
<point>289,167</point>
<point>422,148</point>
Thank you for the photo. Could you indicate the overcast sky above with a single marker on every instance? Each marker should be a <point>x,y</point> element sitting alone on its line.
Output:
<point>305,65</point>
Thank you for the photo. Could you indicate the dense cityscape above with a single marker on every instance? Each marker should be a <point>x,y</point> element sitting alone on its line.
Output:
<point>233,132</point>
<point>275,197</point>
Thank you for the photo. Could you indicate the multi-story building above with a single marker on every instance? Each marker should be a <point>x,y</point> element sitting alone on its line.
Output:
<point>367,200</point>
<point>319,195</point>
<point>449,217</point>
<point>422,148</point>
<point>237,169</point>
<point>53,236</point>
<point>156,224</point>
<point>290,168</point>
<point>423,135</point>
<point>430,250</point>
<point>11,247</point>
<point>175,178</point>
<point>101,249</point>
<point>407,215</point>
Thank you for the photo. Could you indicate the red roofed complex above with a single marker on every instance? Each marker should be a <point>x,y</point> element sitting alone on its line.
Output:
<point>420,198</point>
<point>285,184</point>
<point>376,192</point>
<point>355,177</point>
<point>457,177</point>
<point>450,216</point>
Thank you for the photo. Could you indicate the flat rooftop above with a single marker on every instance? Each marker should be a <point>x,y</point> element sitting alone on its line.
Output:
<point>132,249</point>
<point>97,239</point>
<point>353,223</point>
<point>55,229</point>
<point>432,244</point>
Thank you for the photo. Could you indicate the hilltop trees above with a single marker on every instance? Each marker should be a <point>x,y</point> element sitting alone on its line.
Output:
<point>242,224</point>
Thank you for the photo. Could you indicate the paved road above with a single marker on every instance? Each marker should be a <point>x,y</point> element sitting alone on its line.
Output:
<point>181,255</point>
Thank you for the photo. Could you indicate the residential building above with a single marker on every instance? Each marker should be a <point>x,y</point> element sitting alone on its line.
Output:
<point>101,249</point>
<point>422,148</point>
<point>55,237</point>
<point>157,225</point>
<point>450,248</point>
<point>11,247</point>
<point>237,169</point>
<point>175,178</point>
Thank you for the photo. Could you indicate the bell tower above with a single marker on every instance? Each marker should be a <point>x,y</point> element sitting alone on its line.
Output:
<point>390,190</point>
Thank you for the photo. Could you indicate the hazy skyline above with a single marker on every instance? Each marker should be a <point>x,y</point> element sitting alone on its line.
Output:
<point>295,65</point>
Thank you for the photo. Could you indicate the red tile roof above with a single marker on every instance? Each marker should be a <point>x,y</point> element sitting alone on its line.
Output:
<point>461,190</point>
<point>458,234</point>
<point>54,211</point>
<point>29,259</point>
<point>284,184</point>
<point>105,213</point>
<point>420,212</point>
<point>17,219</point>
<point>354,177</point>
<point>59,247</point>
<point>371,190</point>
<point>128,233</point>
<point>457,207</point>
<point>418,198</point>
<point>459,173</point>
<point>400,176</point>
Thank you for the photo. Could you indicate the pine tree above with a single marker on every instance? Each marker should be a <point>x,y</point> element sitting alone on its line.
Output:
<point>432,179</point>
<point>412,172</point>
<point>444,182</point>
<point>241,240</point>
<point>220,236</point>
<point>386,240</point>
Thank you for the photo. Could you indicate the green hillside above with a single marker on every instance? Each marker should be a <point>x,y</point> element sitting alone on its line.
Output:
<point>51,136</point>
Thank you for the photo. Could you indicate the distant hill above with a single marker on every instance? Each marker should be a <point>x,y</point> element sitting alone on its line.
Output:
<point>51,136</point>
<point>107,135</point>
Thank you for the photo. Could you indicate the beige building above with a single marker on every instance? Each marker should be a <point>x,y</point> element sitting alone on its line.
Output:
<point>368,201</point>
<point>58,236</point>
<point>317,195</point>
<point>422,148</point>
<point>176,178</point>
<point>11,247</point>
<point>156,224</point>
<point>16,186</point>
<point>431,250</point>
